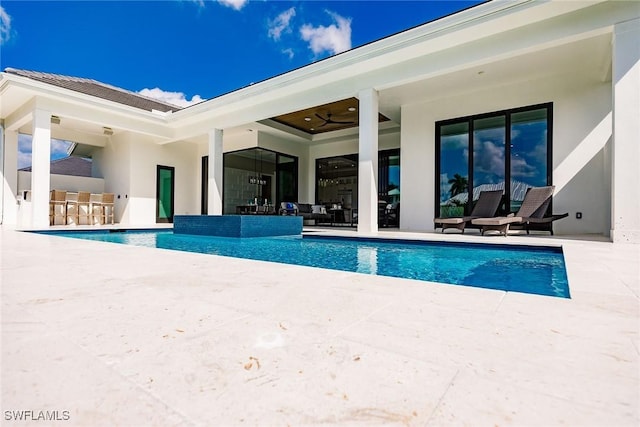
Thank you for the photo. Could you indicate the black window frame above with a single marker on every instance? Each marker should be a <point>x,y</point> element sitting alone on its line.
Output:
<point>355,156</point>
<point>278,154</point>
<point>506,204</point>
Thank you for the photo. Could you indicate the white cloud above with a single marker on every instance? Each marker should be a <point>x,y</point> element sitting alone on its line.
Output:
<point>488,157</point>
<point>521,169</point>
<point>455,142</point>
<point>175,98</point>
<point>234,4</point>
<point>288,52</point>
<point>24,150</point>
<point>59,148</point>
<point>334,39</point>
<point>5,26</point>
<point>281,23</point>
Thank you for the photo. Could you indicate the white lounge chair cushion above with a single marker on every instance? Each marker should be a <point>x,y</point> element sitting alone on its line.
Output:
<point>454,220</point>
<point>498,220</point>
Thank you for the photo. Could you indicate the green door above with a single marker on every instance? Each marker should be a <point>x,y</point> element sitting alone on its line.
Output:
<point>164,193</point>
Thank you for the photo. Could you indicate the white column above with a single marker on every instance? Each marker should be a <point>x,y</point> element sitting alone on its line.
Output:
<point>625,203</point>
<point>40,168</point>
<point>214,206</point>
<point>10,178</point>
<point>368,162</point>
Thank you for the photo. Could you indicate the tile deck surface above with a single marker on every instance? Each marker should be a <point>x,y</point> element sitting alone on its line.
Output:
<point>122,335</point>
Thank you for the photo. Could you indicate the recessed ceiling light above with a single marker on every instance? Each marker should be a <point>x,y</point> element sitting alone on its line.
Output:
<point>307,119</point>
<point>312,129</point>
<point>351,108</point>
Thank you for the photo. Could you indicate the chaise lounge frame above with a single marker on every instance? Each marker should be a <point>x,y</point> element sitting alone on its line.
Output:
<point>486,206</point>
<point>530,216</point>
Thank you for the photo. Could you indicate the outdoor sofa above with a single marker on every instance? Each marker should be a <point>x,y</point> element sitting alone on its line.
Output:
<point>307,211</point>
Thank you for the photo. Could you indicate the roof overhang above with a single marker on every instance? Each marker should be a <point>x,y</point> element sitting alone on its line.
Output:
<point>78,112</point>
<point>489,32</point>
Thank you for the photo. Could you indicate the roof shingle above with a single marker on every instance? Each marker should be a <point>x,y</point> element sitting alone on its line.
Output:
<point>74,166</point>
<point>97,89</point>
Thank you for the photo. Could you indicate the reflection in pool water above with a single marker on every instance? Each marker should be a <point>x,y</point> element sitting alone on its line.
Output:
<point>509,268</point>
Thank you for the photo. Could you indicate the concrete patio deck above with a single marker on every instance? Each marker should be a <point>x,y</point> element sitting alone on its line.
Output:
<point>122,335</point>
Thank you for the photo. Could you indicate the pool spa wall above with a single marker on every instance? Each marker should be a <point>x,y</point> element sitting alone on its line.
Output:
<point>237,225</point>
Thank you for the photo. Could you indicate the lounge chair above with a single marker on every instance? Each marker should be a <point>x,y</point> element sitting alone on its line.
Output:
<point>486,206</point>
<point>534,206</point>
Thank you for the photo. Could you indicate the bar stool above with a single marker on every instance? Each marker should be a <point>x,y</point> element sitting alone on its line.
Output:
<point>106,208</point>
<point>58,199</point>
<point>76,206</point>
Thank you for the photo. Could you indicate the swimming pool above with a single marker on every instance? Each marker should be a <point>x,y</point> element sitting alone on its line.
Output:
<point>528,269</point>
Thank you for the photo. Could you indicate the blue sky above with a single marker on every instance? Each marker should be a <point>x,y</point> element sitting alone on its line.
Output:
<point>184,51</point>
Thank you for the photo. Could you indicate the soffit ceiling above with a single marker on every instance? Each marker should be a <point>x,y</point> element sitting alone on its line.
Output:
<point>325,118</point>
<point>591,56</point>
<point>587,60</point>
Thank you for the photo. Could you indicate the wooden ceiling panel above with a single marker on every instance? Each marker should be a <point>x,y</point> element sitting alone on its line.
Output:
<point>325,118</point>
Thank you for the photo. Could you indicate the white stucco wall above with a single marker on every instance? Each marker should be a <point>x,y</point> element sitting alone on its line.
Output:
<point>129,164</point>
<point>113,164</point>
<point>146,155</point>
<point>63,182</point>
<point>581,131</point>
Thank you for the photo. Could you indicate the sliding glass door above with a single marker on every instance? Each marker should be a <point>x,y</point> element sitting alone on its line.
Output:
<point>258,177</point>
<point>508,150</point>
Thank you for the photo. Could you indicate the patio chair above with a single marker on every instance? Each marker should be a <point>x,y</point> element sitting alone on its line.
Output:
<point>57,200</point>
<point>535,204</point>
<point>390,216</point>
<point>486,206</point>
<point>74,207</point>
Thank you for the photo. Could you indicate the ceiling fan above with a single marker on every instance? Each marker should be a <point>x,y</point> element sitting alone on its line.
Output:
<point>330,121</point>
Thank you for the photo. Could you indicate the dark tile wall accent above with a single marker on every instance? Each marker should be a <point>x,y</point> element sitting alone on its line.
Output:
<point>238,225</point>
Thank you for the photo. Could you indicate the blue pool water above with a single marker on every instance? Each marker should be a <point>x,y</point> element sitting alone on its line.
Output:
<point>519,269</point>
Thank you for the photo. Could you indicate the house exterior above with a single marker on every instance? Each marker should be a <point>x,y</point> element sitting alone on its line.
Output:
<point>505,93</point>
